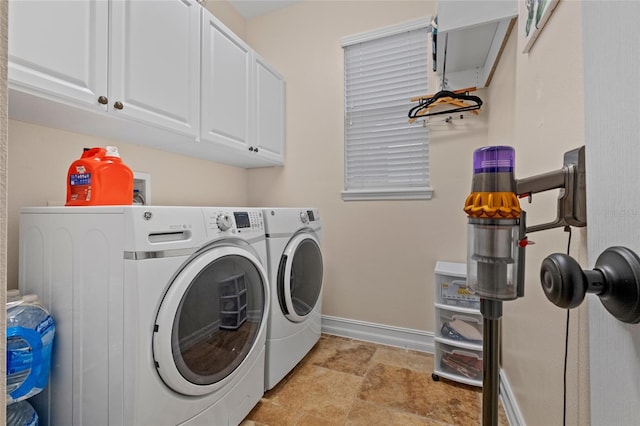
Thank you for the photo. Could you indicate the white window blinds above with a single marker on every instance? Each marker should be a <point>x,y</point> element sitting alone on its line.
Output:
<point>385,156</point>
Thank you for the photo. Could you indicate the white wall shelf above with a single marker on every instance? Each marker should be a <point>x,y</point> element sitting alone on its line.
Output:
<point>475,34</point>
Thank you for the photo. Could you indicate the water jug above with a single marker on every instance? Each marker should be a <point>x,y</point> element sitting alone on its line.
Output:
<point>30,332</point>
<point>99,178</point>
<point>21,414</point>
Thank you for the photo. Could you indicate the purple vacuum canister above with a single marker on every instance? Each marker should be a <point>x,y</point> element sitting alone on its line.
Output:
<point>493,169</point>
<point>494,159</point>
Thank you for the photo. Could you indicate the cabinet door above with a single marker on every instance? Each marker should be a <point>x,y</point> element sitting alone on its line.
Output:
<point>270,110</point>
<point>59,50</point>
<point>226,86</point>
<point>155,63</point>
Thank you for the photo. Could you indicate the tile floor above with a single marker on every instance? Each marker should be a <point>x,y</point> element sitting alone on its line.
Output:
<point>350,382</point>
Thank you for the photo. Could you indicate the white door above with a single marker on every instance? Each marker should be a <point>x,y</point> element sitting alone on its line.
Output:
<point>210,320</point>
<point>300,277</point>
<point>612,139</point>
<point>59,49</point>
<point>155,63</point>
<point>270,110</point>
<point>226,85</point>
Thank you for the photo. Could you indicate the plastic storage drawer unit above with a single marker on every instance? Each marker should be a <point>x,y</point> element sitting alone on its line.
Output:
<point>459,326</point>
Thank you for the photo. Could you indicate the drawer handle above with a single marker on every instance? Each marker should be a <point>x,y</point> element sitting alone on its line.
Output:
<point>103,100</point>
<point>118,105</point>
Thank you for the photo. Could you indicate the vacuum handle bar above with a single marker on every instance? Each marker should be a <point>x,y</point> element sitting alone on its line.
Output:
<point>540,183</point>
<point>570,180</point>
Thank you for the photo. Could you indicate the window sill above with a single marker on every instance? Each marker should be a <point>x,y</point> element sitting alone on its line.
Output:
<point>381,194</point>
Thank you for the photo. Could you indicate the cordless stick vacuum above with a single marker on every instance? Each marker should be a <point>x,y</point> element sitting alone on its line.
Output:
<point>495,250</point>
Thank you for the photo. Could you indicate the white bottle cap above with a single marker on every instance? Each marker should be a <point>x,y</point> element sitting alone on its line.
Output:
<point>30,298</point>
<point>112,151</point>
<point>13,295</point>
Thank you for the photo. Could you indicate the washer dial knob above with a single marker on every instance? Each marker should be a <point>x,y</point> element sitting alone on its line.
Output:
<point>224,222</point>
<point>304,218</point>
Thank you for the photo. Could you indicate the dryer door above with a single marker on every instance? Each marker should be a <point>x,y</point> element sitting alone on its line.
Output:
<point>300,277</point>
<point>210,320</point>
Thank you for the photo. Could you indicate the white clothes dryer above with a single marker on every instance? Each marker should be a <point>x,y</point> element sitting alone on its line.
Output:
<point>160,312</point>
<point>295,276</point>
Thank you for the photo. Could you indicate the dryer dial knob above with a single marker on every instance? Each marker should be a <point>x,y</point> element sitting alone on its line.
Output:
<point>304,218</point>
<point>224,222</point>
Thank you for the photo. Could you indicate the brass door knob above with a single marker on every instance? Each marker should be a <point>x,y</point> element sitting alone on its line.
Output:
<point>118,105</point>
<point>103,100</point>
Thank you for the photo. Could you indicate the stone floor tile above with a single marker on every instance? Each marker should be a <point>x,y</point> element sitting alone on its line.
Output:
<point>339,354</point>
<point>366,414</point>
<point>415,392</point>
<point>348,382</point>
<point>399,357</point>
<point>319,392</point>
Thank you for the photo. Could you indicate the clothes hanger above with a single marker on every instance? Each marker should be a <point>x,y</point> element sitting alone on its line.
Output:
<point>456,98</point>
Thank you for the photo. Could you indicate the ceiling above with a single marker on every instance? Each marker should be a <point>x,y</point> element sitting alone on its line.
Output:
<point>253,8</point>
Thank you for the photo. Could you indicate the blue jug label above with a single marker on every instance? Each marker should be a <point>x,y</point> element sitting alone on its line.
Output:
<point>19,360</point>
<point>22,359</point>
<point>45,325</point>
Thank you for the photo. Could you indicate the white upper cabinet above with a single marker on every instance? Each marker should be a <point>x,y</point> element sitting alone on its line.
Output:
<point>51,58</point>
<point>270,110</point>
<point>166,74</point>
<point>226,85</point>
<point>141,62</point>
<point>155,63</point>
<point>474,33</point>
<point>242,101</point>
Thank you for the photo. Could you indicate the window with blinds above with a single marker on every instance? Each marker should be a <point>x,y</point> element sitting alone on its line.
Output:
<point>385,156</point>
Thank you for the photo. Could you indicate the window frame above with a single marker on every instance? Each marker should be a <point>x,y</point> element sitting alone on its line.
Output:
<point>382,193</point>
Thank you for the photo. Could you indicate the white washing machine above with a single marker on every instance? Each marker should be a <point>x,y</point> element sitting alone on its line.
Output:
<point>295,276</point>
<point>161,312</point>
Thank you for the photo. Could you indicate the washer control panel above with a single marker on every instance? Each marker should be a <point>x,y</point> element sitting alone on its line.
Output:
<point>223,221</point>
<point>309,216</point>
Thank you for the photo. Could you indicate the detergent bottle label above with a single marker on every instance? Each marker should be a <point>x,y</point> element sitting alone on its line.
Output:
<point>80,186</point>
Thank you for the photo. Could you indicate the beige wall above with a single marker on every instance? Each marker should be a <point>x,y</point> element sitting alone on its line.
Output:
<point>40,157</point>
<point>537,106</point>
<point>379,256</point>
<point>223,10</point>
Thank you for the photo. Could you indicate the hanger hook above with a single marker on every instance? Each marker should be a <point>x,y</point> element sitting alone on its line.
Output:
<point>443,85</point>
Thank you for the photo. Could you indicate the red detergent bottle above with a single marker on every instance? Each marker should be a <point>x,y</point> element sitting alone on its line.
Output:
<point>99,178</point>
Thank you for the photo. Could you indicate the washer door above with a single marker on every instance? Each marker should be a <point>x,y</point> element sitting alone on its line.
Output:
<point>210,319</point>
<point>300,277</point>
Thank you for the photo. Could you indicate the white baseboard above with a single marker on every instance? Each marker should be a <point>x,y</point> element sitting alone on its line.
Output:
<point>378,333</point>
<point>509,402</point>
<point>410,339</point>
